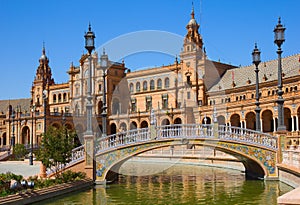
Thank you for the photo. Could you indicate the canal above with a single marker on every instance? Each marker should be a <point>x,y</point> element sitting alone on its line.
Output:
<point>179,184</point>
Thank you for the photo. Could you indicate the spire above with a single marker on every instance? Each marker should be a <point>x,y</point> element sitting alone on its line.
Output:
<point>192,12</point>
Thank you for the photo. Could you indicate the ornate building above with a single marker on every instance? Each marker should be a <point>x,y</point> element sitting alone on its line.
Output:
<point>188,91</point>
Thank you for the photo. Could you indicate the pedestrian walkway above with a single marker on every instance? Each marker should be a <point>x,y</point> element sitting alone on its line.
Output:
<point>20,167</point>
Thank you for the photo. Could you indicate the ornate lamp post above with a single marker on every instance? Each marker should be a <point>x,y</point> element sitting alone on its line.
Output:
<point>279,39</point>
<point>104,65</point>
<point>45,109</point>
<point>13,128</point>
<point>31,137</point>
<point>89,45</point>
<point>256,61</point>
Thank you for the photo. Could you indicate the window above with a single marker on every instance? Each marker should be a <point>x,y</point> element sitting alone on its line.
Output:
<point>59,98</point>
<point>164,101</point>
<point>65,97</point>
<point>145,86</point>
<point>159,84</point>
<point>54,98</point>
<point>188,95</point>
<point>167,83</point>
<point>148,103</point>
<point>100,88</point>
<point>138,87</point>
<point>295,88</point>
<point>188,80</point>
<point>252,95</point>
<point>133,105</point>
<point>152,86</point>
<point>131,87</point>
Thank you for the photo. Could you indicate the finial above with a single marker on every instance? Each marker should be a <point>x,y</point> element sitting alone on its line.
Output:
<point>176,59</point>
<point>279,20</point>
<point>90,29</point>
<point>255,45</point>
<point>103,51</point>
<point>192,13</point>
<point>43,51</point>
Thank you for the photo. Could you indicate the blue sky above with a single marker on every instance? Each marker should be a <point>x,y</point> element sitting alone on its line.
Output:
<point>229,30</point>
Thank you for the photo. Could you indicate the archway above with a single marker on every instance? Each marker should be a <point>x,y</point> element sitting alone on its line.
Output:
<point>165,122</point>
<point>178,121</point>
<point>267,121</point>
<point>25,135</point>
<point>4,139</point>
<point>144,124</point>
<point>56,125</point>
<point>133,125</point>
<point>68,126</point>
<point>100,107</point>
<point>235,120</point>
<point>221,120</point>
<point>206,120</point>
<point>113,128</point>
<point>288,119</point>
<point>123,126</point>
<point>251,121</point>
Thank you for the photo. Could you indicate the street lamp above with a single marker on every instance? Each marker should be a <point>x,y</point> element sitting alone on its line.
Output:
<point>13,128</point>
<point>89,45</point>
<point>256,61</point>
<point>45,109</point>
<point>279,39</point>
<point>31,137</point>
<point>104,64</point>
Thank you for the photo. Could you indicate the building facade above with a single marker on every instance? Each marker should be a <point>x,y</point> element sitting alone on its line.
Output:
<point>186,92</point>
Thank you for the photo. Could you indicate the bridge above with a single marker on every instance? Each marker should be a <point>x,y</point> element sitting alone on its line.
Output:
<point>257,151</point>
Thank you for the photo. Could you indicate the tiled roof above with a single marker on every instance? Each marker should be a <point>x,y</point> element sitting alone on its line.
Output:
<point>23,104</point>
<point>268,71</point>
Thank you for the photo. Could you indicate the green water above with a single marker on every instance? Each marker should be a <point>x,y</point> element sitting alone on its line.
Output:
<point>181,184</point>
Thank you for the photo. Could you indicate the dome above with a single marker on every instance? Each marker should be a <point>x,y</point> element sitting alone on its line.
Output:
<point>192,22</point>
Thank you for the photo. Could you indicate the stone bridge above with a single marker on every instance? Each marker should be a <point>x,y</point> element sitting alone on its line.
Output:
<point>257,151</point>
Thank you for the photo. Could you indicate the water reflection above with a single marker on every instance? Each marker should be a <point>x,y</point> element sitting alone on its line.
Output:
<point>182,184</point>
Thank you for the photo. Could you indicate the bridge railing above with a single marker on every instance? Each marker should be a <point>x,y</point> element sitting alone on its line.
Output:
<point>248,136</point>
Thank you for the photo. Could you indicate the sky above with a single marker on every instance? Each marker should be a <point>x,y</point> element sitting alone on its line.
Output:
<point>229,30</point>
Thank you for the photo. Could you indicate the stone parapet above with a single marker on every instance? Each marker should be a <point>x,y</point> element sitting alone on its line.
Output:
<point>32,196</point>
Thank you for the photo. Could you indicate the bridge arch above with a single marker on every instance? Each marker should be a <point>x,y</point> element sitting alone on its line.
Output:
<point>253,168</point>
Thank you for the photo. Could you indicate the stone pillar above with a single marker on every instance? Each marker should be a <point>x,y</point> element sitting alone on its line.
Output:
<point>89,156</point>
<point>274,124</point>
<point>297,123</point>
<point>293,124</point>
<point>261,125</point>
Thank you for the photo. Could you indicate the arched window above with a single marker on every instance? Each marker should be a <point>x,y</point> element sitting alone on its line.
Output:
<point>152,86</point>
<point>131,87</point>
<point>138,87</point>
<point>159,84</point>
<point>54,98</point>
<point>59,97</point>
<point>167,82</point>
<point>65,97</point>
<point>145,85</point>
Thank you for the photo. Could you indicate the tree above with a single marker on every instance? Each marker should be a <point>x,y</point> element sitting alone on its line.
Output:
<point>56,148</point>
<point>19,152</point>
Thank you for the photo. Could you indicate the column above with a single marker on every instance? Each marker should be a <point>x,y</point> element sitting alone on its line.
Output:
<point>297,123</point>
<point>293,124</point>
<point>261,125</point>
<point>274,124</point>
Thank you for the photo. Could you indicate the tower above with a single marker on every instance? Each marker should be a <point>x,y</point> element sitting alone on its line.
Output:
<point>192,65</point>
<point>43,79</point>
